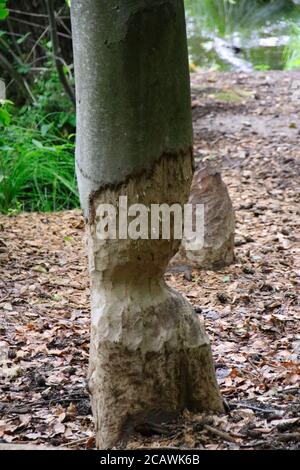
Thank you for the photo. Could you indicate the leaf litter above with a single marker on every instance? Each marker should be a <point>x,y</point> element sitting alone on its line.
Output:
<point>250,309</point>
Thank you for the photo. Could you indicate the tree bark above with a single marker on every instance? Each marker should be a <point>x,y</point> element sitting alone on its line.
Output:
<point>150,357</point>
<point>217,250</point>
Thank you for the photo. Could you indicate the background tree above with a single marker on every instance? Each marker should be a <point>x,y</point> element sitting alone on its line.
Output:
<point>149,357</point>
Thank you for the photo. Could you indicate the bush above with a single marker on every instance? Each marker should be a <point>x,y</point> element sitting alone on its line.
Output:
<point>37,170</point>
<point>292,51</point>
<point>36,174</point>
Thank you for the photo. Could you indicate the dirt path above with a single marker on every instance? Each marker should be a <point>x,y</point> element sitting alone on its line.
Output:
<point>250,309</point>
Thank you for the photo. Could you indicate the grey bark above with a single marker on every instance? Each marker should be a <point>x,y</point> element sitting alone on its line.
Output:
<point>217,251</point>
<point>150,357</point>
<point>133,95</point>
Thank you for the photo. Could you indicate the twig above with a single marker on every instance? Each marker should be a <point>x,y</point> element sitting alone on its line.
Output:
<point>36,43</point>
<point>256,408</point>
<point>39,69</point>
<point>74,443</point>
<point>39,39</point>
<point>11,51</point>
<point>253,444</point>
<point>292,436</point>
<point>289,390</point>
<point>64,25</point>
<point>29,23</point>
<point>27,13</point>
<point>30,13</point>
<point>56,51</point>
<point>15,42</point>
<point>224,435</point>
<point>254,366</point>
<point>23,86</point>
<point>36,25</point>
<point>61,284</point>
<point>17,35</point>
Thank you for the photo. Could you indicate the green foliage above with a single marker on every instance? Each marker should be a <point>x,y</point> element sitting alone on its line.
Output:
<point>5,116</point>
<point>51,106</point>
<point>37,170</point>
<point>262,67</point>
<point>222,17</point>
<point>3,10</point>
<point>292,51</point>
<point>36,174</point>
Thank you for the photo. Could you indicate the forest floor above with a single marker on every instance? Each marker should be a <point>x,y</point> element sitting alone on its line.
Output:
<point>250,308</point>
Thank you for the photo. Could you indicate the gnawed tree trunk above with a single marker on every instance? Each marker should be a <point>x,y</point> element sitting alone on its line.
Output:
<point>217,251</point>
<point>149,357</point>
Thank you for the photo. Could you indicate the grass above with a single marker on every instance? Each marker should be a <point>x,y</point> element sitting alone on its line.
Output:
<point>292,51</point>
<point>37,169</point>
<point>36,174</point>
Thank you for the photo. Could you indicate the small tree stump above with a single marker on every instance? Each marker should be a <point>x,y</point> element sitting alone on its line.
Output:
<point>217,251</point>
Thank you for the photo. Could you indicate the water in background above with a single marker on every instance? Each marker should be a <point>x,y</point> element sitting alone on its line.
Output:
<point>247,42</point>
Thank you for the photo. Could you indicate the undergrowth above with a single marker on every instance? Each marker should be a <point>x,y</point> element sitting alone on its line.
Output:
<point>37,170</point>
<point>292,51</point>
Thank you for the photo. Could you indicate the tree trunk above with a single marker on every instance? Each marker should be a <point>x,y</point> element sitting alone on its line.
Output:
<point>217,250</point>
<point>149,357</point>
